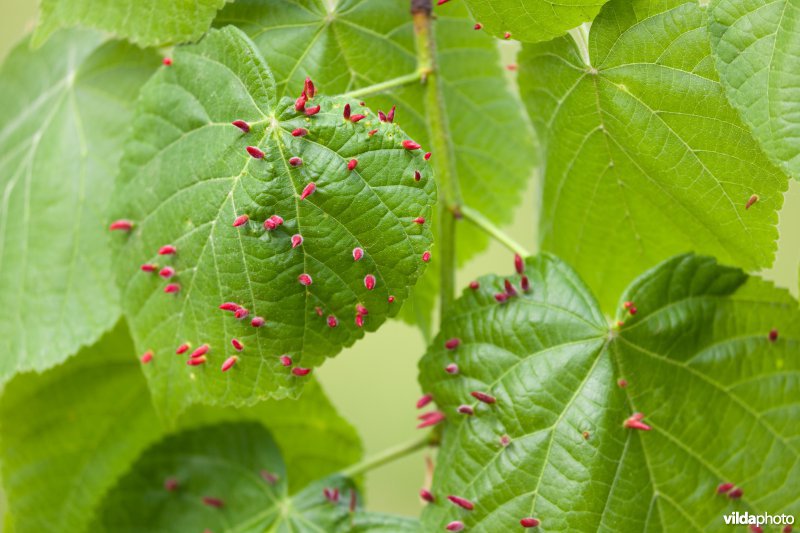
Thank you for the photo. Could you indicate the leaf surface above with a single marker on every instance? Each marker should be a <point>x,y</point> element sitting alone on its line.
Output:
<point>755,44</point>
<point>697,362</point>
<point>532,20</point>
<point>187,177</point>
<point>68,434</point>
<point>226,462</point>
<point>144,22</point>
<point>644,156</point>
<point>358,43</point>
<point>65,114</point>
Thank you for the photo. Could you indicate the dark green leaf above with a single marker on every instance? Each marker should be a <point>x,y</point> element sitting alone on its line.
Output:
<point>698,362</point>
<point>755,44</point>
<point>69,433</point>
<point>348,45</point>
<point>187,176</point>
<point>644,156</point>
<point>64,116</point>
<point>144,22</point>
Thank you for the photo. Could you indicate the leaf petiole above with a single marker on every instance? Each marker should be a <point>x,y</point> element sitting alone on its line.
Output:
<point>483,223</point>
<point>388,455</point>
<point>378,88</point>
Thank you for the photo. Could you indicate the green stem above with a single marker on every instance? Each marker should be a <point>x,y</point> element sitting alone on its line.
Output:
<point>441,147</point>
<point>387,456</point>
<point>386,85</point>
<point>477,218</point>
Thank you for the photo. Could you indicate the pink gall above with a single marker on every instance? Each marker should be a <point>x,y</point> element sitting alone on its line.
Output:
<point>196,361</point>
<point>237,345</point>
<point>352,164</point>
<point>426,257</point>
<point>635,422</point>
<point>462,502</point>
<point>148,267</point>
<point>295,162</point>
<point>285,360</point>
<point>167,272</point>
<point>297,240</point>
<point>241,313</point>
<point>200,351</point>
<point>452,344</point>
<point>411,145</point>
<point>255,153</point>
<point>369,282</point>
<point>425,400</point>
<point>529,522</point>
<point>483,397</point>
<point>146,357</point>
<point>229,362</point>
<point>311,111</point>
<point>308,190</point>
<point>304,279</point>
<point>167,249</point>
<point>452,369</point>
<point>172,288</point>
<point>241,220</point>
<point>426,495</point>
<point>257,322</point>
<point>332,321</point>
<point>299,132</point>
<point>121,225</point>
<point>455,525</point>
<point>358,253</point>
<point>242,125</point>
<point>299,371</point>
<point>182,349</point>
<point>167,61</point>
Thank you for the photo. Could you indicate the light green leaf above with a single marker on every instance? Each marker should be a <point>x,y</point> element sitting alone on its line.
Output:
<point>755,44</point>
<point>644,156</point>
<point>532,20</point>
<point>69,433</point>
<point>719,395</point>
<point>353,44</point>
<point>224,462</point>
<point>187,177</point>
<point>144,22</point>
<point>64,116</point>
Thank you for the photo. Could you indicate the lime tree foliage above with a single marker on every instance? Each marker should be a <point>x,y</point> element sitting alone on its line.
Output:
<point>201,201</point>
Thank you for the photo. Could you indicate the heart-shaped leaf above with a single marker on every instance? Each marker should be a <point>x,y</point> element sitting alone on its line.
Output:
<point>755,44</point>
<point>349,45</point>
<point>531,20</point>
<point>289,239</point>
<point>64,116</point>
<point>96,414</point>
<point>582,426</point>
<point>228,478</point>
<point>144,22</point>
<point>644,156</point>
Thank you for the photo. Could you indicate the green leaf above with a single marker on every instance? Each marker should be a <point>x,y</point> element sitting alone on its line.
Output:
<point>755,44</point>
<point>187,176</point>
<point>65,113</point>
<point>144,22</point>
<point>644,156</point>
<point>350,45</point>
<point>698,362</point>
<point>225,462</point>
<point>69,433</point>
<point>532,20</point>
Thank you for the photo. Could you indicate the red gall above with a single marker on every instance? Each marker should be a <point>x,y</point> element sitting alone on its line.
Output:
<point>750,201</point>
<point>346,112</point>
<point>529,522</point>
<point>426,495</point>
<point>427,156</point>
<point>167,61</point>
<point>240,220</point>
<point>372,132</point>
<point>171,484</point>
<point>452,344</point>
<point>622,383</point>
<point>391,299</point>
<point>483,397</point>
<point>241,313</point>
<point>257,322</point>
<point>300,103</point>
<point>466,410</point>
<point>167,272</point>
<point>417,175</point>
<point>390,114</point>
<point>196,361</point>
<point>756,529</point>
<point>455,525</point>
<point>213,502</point>
<point>425,400</point>
<point>172,288</point>
<point>237,344</point>
<point>358,253</point>
<point>200,351</point>
<point>519,264</point>
<point>332,321</point>
<point>167,249</point>
<point>736,493</point>
<point>477,26</point>
<point>273,222</point>
<point>419,220</point>
<point>285,360</point>
<point>426,256</point>
<point>512,67</point>
<point>359,320</point>
<point>242,125</point>
<point>627,305</point>
<point>357,118</point>
<point>505,440</point>
<point>318,310</point>
<point>369,282</point>
<point>635,422</point>
<point>633,310</point>
<point>773,335</point>
<point>148,267</point>
<point>452,368</point>
<point>510,290</point>
<point>295,162</point>
<point>311,111</point>
<point>440,2</point>
<point>146,357</point>
<point>269,477</point>
<point>229,362</point>
<point>299,132</point>
<point>382,116</point>
<point>352,164</point>
<point>121,225</point>
<point>308,190</point>
<point>183,348</point>
<point>525,284</point>
<point>309,89</point>
<point>462,502</point>
<point>411,145</point>
<point>304,279</point>
<point>507,35</point>
<point>332,495</point>
<point>431,420</point>
<point>361,310</point>
<point>255,152</point>
<point>474,285</point>
<point>724,487</point>
<point>299,371</point>
<point>353,501</point>
<point>501,297</point>
<point>297,240</point>
<point>229,306</point>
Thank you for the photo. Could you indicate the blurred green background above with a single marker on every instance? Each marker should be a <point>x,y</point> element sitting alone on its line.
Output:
<point>374,384</point>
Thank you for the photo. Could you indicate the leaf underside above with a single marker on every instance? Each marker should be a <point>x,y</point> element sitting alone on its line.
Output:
<point>228,462</point>
<point>719,395</point>
<point>96,412</point>
<point>354,44</point>
<point>144,22</point>
<point>755,44</point>
<point>65,114</point>
<point>186,177</point>
<point>644,156</point>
